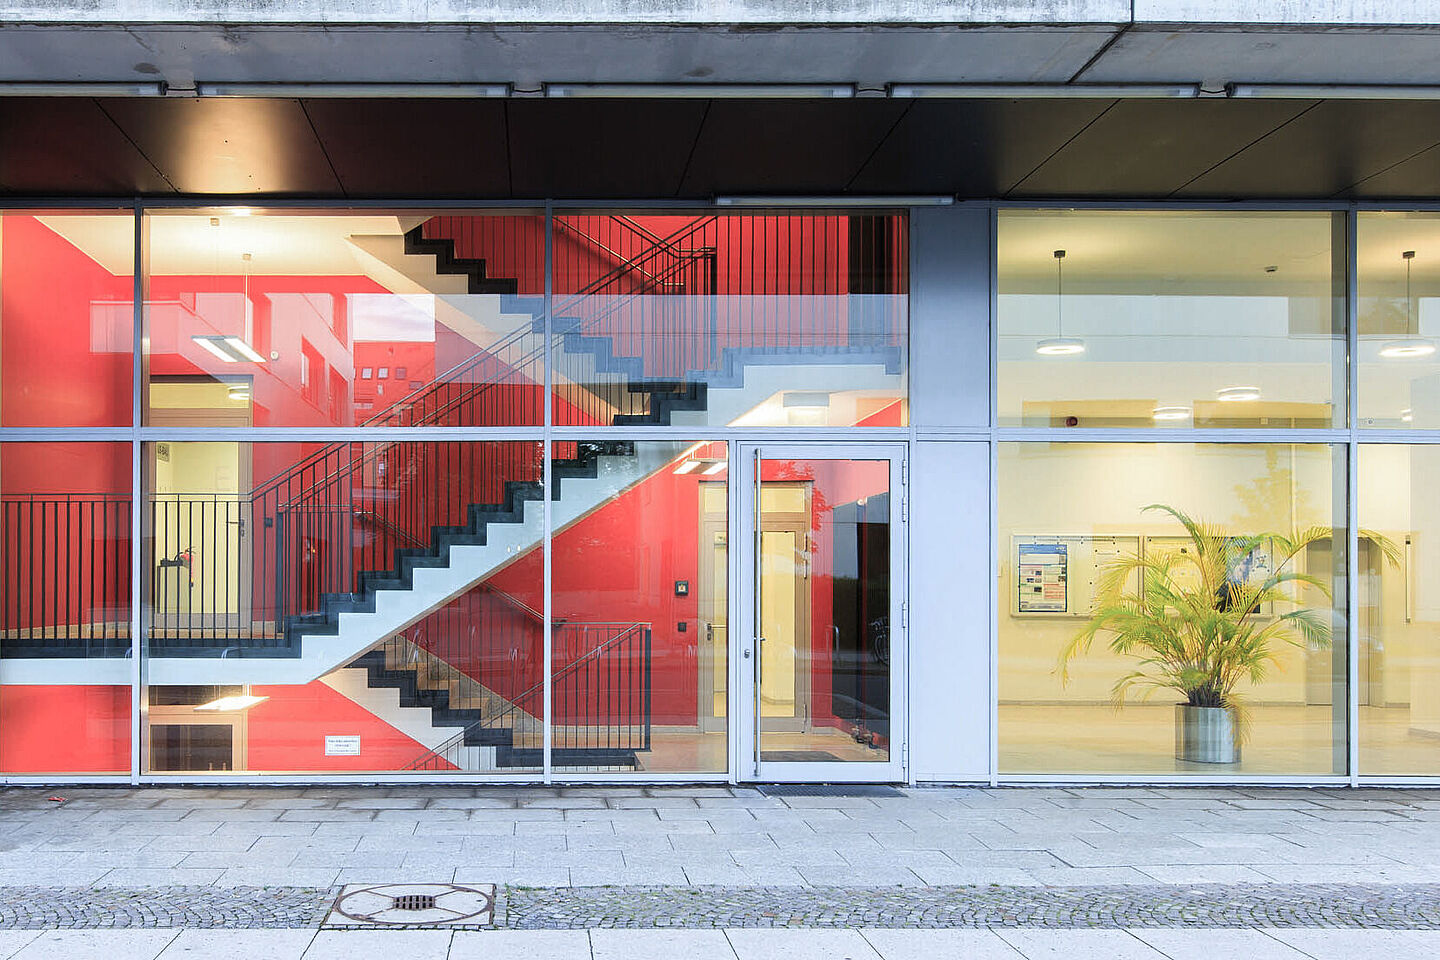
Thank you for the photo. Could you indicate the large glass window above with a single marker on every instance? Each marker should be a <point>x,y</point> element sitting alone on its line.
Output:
<point>344,607</point>
<point>1171,608</point>
<point>65,575</point>
<point>640,581</point>
<point>1398,617</point>
<point>1171,319</point>
<point>1398,316</point>
<point>741,319</point>
<point>289,312</point>
<point>67,291</point>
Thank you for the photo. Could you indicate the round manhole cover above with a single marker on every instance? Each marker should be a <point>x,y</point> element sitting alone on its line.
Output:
<point>413,904</point>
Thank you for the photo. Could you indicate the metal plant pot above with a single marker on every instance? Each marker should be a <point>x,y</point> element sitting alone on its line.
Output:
<point>1206,734</point>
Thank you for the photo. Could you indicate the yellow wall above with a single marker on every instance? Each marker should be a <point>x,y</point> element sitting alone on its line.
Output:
<point>1092,489</point>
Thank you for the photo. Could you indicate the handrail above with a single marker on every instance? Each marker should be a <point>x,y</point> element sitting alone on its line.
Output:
<point>615,254</point>
<point>458,739</point>
<point>490,353</point>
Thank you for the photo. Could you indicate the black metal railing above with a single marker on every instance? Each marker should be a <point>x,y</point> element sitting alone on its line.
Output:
<point>600,699</point>
<point>65,573</point>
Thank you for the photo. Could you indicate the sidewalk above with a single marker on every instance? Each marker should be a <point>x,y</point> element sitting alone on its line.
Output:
<point>727,872</point>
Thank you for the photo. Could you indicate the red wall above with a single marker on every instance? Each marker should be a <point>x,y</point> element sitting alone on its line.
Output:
<point>287,732</point>
<point>64,729</point>
<point>52,373</point>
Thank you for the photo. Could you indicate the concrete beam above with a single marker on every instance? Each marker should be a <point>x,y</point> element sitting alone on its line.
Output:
<point>497,12</point>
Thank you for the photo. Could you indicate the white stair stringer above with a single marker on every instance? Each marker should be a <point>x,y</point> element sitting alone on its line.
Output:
<point>430,587</point>
<point>728,404</point>
<point>475,316</point>
<point>353,684</point>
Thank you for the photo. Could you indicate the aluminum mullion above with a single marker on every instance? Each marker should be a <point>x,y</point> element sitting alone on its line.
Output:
<point>1352,502</point>
<point>547,561</point>
<point>139,708</point>
<point>992,585</point>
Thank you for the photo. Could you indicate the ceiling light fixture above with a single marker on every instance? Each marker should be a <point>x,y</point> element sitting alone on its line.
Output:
<point>1412,346</point>
<point>714,468</point>
<point>1170,412</point>
<point>1237,394</point>
<point>311,91</point>
<point>835,202</point>
<point>1323,91</point>
<point>1407,415</point>
<point>229,348</point>
<point>1060,345</point>
<point>1045,91</point>
<point>687,467</point>
<point>703,91</point>
<point>231,703</point>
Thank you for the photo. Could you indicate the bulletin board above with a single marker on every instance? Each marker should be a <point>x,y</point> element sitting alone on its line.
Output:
<point>1057,576</point>
<point>1256,567</point>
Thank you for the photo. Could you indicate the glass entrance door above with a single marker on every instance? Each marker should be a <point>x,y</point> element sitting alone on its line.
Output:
<point>821,653</point>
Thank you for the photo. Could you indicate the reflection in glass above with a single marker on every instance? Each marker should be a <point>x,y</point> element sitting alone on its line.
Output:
<point>1170,319</point>
<point>640,582</point>
<point>65,580</point>
<point>1398,274</point>
<point>66,327</point>
<point>378,318</point>
<point>345,607</point>
<point>744,319</point>
<point>1071,515</point>
<point>824,604</point>
<point>1398,618</point>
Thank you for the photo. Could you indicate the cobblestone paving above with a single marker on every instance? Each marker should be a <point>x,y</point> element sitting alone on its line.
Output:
<point>43,908</point>
<point>1389,906</point>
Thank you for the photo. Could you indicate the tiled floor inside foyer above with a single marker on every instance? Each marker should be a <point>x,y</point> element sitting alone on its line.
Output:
<point>728,872</point>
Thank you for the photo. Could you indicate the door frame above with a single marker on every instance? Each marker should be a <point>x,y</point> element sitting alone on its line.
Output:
<point>747,766</point>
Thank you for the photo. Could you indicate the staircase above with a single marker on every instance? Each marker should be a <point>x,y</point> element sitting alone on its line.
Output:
<point>439,519</point>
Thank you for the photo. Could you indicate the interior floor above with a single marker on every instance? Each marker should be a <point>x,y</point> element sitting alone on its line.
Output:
<point>1284,741</point>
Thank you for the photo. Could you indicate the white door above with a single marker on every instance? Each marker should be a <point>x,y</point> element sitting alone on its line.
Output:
<point>820,640</point>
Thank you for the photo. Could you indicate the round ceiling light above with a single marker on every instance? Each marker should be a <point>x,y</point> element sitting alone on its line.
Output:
<point>1060,347</point>
<point>1171,412</point>
<point>1407,349</point>
<point>1238,394</point>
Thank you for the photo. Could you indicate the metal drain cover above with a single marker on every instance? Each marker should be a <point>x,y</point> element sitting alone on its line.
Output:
<point>413,905</point>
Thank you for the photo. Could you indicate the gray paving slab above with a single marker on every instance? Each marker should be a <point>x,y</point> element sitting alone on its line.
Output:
<point>238,945</point>
<point>660,945</point>
<point>1079,945</point>
<point>752,944</point>
<point>1218,944</point>
<point>520,945</point>
<point>893,944</point>
<point>96,945</point>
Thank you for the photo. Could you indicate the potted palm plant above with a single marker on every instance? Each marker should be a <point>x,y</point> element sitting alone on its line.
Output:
<point>1202,620</point>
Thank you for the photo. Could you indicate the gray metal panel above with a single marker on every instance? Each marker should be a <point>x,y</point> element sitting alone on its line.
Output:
<point>949,611</point>
<point>950,317</point>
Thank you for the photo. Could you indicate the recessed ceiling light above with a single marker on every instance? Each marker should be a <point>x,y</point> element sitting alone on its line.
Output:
<point>1407,349</point>
<point>230,704</point>
<point>229,348</point>
<point>1060,347</point>
<point>686,466</point>
<point>1171,412</point>
<point>1237,394</point>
